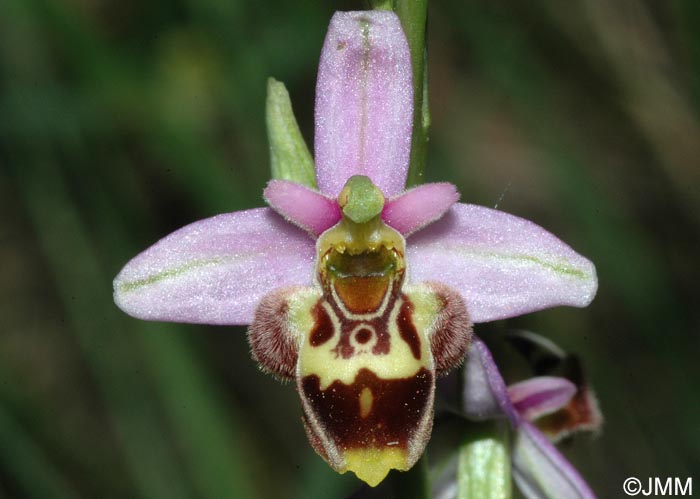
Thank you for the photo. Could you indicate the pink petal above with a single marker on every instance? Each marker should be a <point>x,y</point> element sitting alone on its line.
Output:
<point>419,207</point>
<point>310,210</point>
<point>541,472</point>
<point>216,270</point>
<point>539,396</point>
<point>364,103</point>
<point>485,395</point>
<point>502,265</point>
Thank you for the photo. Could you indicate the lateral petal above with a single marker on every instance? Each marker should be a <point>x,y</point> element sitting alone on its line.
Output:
<point>364,103</point>
<point>502,265</point>
<point>215,271</point>
<point>304,207</point>
<point>418,207</point>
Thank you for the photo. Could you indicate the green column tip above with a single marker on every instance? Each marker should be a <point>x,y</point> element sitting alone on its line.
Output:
<point>360,199</point>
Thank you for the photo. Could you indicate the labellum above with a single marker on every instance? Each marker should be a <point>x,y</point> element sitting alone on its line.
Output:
<point>363,346</point>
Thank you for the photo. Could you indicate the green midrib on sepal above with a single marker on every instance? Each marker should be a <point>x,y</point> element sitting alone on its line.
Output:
<point>129,286</point>
<point>559,268</point>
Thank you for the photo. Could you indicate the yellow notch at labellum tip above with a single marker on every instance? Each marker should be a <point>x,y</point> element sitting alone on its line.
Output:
<point>372,465</point>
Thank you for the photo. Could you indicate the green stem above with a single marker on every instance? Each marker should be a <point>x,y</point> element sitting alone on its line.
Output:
<point>413,15</point>
<point>484,462</point>
<point>381,4</point>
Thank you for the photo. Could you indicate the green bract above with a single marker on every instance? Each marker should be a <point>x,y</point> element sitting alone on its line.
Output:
<point>290,158</point>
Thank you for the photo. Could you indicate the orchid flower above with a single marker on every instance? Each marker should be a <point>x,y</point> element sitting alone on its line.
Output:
<point>360,292</point>
<point>534,407</point>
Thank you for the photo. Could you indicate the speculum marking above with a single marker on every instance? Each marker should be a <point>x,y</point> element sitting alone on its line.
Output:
<point>323,327</point>
<point>363,336</point>
<point>370,412</point>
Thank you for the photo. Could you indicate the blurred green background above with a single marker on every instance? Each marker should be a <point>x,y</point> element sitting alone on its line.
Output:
<point>121,121</point>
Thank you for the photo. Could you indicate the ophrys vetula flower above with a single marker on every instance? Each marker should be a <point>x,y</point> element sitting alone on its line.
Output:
<point>359,291</point>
